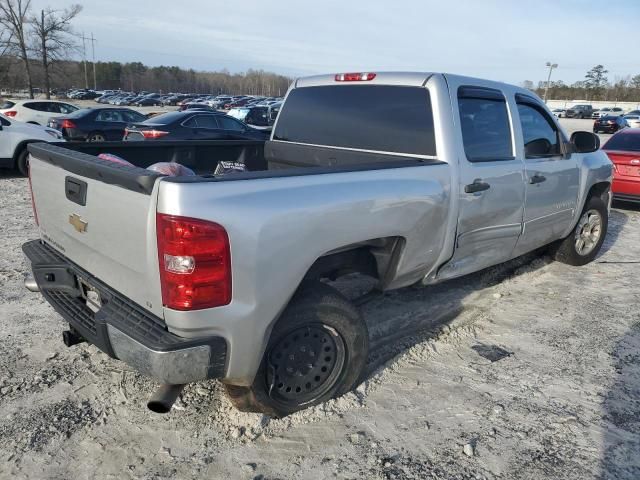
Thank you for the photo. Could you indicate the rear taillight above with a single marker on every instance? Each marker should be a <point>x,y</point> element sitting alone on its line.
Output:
<point>67,124</point>
<point>355,77</point>
<point>33,202</point>
<point>195,263</point>
<point>11,113</point>
<point>153,133</point>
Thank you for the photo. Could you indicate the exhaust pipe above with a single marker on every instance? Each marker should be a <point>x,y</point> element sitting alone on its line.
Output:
<point>31,285</point>
<point>164,398</point>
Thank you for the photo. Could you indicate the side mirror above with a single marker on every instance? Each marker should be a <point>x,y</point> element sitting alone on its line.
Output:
<point>537,147</point>
<point>585,142</point>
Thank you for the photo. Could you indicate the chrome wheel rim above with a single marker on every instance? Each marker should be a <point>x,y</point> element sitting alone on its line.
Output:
<point>588,232</point>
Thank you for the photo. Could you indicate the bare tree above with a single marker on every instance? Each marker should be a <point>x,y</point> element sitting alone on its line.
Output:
<point>13,21</point>
<point>53,38</point>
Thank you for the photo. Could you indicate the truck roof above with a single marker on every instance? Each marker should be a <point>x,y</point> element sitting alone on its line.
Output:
<point>407,79</point>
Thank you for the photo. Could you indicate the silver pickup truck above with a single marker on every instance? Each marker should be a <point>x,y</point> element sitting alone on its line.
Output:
<point>404,177</point>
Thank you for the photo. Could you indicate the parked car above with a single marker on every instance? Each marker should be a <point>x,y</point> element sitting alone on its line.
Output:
<point>601,112</point>
<point>609,124</point>
<point>149,101</point>
<point>38,112</point>
<point>633,112</point>
<point>14,138</point>
<point>196,106</point>
<point>96,124</point>
<point>390,181</point>
<point>579,111</point>
<point>559,112</point>
<point>624,151</point>
<point>255,116</point>
<point>633,120</point>
<point>6,104</point>
<point>192,125</point>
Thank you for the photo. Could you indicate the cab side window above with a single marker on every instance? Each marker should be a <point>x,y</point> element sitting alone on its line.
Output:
<point>541,136</point>
<point>484,119</point>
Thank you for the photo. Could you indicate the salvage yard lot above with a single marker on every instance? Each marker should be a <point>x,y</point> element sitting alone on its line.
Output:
<point>526,370</point>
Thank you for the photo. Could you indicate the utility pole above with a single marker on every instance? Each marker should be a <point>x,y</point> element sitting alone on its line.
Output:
<point>551,66</point>
<point>84,60</point>
<point>93,56</point>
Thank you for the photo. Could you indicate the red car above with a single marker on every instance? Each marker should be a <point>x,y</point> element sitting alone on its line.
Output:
<point>624,151</point>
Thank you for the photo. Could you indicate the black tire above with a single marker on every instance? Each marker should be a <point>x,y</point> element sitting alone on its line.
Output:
<point>22,162</point>
<point>317,318</point>
<point>567,250</point>
<point>96,137</point>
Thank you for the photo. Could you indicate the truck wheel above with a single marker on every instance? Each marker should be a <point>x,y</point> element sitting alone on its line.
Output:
<point>583,244</point>
<point>317,351</point>
<point>22,162</point>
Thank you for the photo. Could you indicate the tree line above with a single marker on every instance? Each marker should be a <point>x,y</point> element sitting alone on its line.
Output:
<point>37,51</point>
<point>595,86</point>
<point>137,77</point>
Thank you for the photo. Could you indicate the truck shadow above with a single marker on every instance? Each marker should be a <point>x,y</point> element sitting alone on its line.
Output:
<point>617,220</point>
<point>621,412</point>
<point>400,319</point>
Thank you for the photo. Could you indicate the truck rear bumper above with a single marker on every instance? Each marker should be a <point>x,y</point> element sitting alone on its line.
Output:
<point>121,328</point>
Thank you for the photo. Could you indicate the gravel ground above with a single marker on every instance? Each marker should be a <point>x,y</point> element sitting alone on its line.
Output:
<point>527,370</point>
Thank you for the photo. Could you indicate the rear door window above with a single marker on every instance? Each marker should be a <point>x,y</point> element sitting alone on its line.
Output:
<point>109,116</point>
<point>207,121</point>
<point>484,120</point>
<point>382,118</point>
<point>39,106</point>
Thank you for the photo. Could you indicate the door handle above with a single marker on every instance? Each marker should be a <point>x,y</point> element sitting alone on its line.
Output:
<point>477,186</point>
<point>537,179</point>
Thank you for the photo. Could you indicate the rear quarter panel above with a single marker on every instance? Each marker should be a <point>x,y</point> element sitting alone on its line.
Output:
<point>278,227</point>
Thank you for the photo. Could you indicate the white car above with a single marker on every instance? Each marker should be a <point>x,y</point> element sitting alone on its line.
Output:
<point>38,111</point>
<point>559,112</point>
<point>633,120</point>
<point>14,138</point>
<point>608,112</point>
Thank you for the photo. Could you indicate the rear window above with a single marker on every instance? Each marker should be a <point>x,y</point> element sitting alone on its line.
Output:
<point>629,142</point>
<point>391,119</point>
<point>166,118</point>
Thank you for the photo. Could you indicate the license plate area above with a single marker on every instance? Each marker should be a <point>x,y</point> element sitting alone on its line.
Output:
<point>629,171</point>
<point>91,296</point>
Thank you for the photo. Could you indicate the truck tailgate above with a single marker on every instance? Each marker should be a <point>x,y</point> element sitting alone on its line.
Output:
<point>101,217</point>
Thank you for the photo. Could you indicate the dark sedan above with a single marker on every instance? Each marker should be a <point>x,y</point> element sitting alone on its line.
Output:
<point>96,124</point>
<point>609,124</point>
<point>192,125</point>
<point>148,101</point>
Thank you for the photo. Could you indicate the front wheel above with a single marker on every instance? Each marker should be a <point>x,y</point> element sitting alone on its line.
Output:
<point>317,351</point>
<point>586,239</point>
<point>22,163</point>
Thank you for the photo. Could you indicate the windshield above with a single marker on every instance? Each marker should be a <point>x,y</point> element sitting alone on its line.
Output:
<point>626,142</point>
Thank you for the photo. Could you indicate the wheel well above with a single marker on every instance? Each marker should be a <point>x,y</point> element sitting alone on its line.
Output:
<point>374,258</point>
<point>600,190</point>
<point>19,149</point>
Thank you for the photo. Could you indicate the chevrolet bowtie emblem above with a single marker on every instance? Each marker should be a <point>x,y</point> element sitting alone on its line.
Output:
<point>77,222</point>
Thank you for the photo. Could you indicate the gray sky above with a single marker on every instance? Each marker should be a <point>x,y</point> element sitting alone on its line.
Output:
<point>507,40</point>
